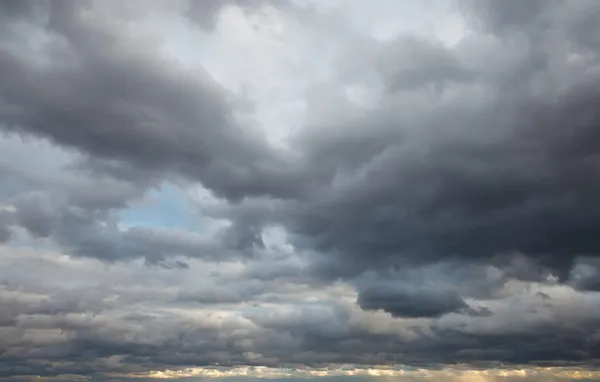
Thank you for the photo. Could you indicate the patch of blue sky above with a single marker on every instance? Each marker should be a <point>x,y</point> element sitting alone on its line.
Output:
<point>166,207</point>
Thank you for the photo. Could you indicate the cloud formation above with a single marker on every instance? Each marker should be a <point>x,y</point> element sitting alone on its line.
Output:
<point>298,184</point>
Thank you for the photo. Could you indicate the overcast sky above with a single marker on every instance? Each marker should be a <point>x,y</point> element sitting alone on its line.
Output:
<point>345,190</point>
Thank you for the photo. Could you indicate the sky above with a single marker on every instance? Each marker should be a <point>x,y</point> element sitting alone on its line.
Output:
<point>291,190</point>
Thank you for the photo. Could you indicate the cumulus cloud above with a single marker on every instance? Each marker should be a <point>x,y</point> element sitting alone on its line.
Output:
<point>207,185</point>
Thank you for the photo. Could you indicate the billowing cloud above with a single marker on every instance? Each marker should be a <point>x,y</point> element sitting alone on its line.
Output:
<point>403,302</point>
<point>207,188</point>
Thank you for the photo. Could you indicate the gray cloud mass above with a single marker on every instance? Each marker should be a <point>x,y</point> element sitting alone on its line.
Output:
<point>444,213</point>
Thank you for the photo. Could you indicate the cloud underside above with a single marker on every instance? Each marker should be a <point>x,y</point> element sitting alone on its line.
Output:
<point>443,213</point>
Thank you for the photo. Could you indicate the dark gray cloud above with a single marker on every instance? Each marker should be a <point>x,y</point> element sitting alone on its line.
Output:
<point>511,171</point>
<point>403,302</point>
<point>451,220</point>
<point>104,75</point>
<point>17,9</point>
<point>504,16</point>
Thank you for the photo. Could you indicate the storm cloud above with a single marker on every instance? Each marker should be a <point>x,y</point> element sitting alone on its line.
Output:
<point>298,184</point>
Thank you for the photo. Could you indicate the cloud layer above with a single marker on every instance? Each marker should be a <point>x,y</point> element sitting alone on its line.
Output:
<point>298,184</point>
